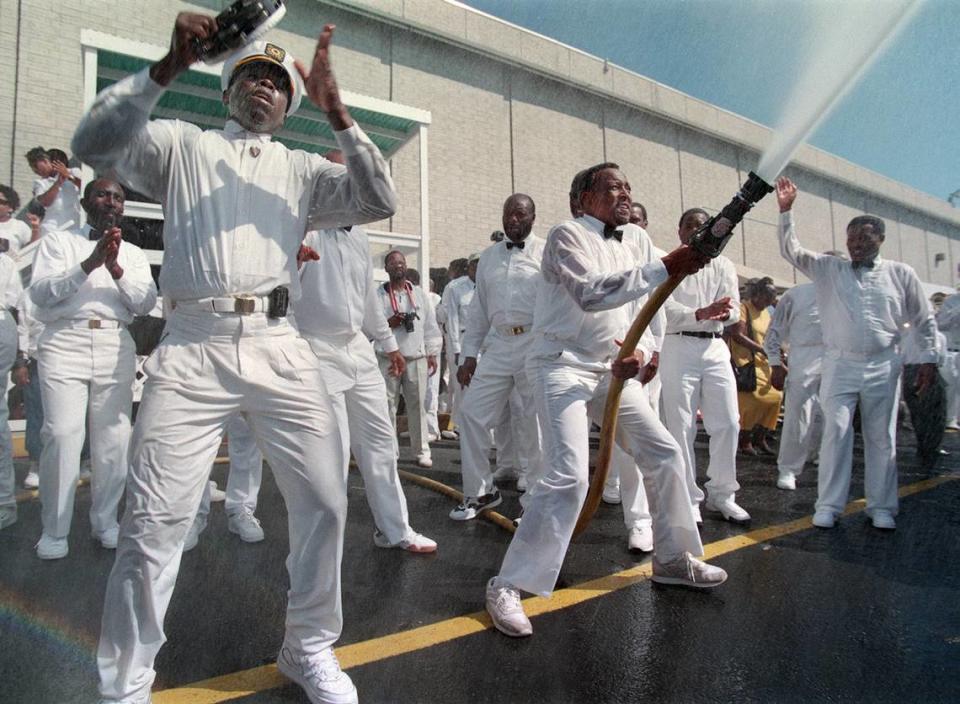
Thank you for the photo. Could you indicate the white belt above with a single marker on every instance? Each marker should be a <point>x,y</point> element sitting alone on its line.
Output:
<point>91,324</point>
<point>513,329</point>
<point>878,356</point>
<point>244,305</point>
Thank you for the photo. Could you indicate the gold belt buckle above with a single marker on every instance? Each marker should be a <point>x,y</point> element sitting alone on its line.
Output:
<point>244,305</point>
<point>518,330</point>
<point>94,324</point>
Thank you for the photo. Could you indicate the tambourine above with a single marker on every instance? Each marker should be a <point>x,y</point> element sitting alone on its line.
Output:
<point>241,23</point>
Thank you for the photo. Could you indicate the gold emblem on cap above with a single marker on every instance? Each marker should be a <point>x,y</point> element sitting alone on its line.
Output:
<point>275,53</point>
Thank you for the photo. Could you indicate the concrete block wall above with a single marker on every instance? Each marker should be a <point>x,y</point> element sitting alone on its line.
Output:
<point>511,111</point>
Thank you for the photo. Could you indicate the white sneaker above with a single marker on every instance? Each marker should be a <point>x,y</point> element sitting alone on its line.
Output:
<point>32,480</point>
<point>729,509</point>
<point>8,516</point>
<point>109,537</point>
<point>787,481</point>
<point>432,437</point>
<point>472,506</point>
<point>424,460</point>
<point>824,519</point>
<point>319,675</point>
<point>50,548</point>
<point>640,539</point>
<point>412,543</point>
<point>449,434</point>
<point>85,471</point>
<point>611,494</point>
<point>688,571</point>
<point>193,535</point>
<point>505,609</point>
<point>216,493</point>
<point>883,520</point>
<point>245,524</point>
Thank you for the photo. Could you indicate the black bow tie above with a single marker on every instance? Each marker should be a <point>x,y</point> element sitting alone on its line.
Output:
<point>518,245</point>
<point>611,231</point>
<point>865,264</point>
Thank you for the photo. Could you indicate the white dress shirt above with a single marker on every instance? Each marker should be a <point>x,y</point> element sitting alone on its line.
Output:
<point>236,204</point>
<point>61,290</point>
<point>343,299</point>
<point>795,323</point>
<point>456,301</point>
<point>64,211</point>
<point>505,293</point>
<point>17,232</point>
<point>426,339</point>
<point>588,281</point>
<point>912,352</point>
<point>862,311</point>
<point>718,279</point>
<point>11,286</point>
<point>948,320</point>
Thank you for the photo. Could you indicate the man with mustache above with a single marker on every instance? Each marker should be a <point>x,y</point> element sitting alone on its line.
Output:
<point>236,207</point>
<point>592,274</point>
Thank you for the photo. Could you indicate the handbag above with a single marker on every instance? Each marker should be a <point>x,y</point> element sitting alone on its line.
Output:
<point>746,375</point>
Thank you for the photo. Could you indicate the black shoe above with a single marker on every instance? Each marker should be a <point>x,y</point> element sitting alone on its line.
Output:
<point>472,506</point>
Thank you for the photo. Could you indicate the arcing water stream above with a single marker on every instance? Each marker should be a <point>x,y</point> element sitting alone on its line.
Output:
<point>854,33</point>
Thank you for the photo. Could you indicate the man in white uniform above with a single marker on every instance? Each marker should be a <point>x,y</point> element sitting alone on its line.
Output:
<point>948,321</point>
<point>338,314</point>
<point>589,278</point>
<point>236,206</point>
<point>14,234</point>
<point>57,189</point>
<point>629,492</point>
<point>409,314</point>
<point>87,286</point>
<point>11,291</point>
<point>796,324</point>
<point>456,300</point>
<point>864,305</point>
<point>696,374</point>
<point>500,318</point>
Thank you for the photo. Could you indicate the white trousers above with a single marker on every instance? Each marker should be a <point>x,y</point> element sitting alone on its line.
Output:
<point>567,397</point>
<point>454,390</point>
<point>8,355</point>
<point>246,470</point>
<point>432,403</point>
<point>627,477</point>
<point>82,372</point>
<point>359,395</point>
<point>510,448</point>
<point>875,384</point>
<point>696,373</point>
<point>501,369</point>
<point>802,419</point>
<point>207,368</point>
<point>950,371</point>
<point>413,384</point>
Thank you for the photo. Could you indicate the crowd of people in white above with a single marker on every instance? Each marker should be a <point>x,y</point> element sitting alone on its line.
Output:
<point>277,335</point>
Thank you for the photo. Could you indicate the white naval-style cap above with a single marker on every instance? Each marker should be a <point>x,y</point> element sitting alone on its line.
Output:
<point>269,53</point>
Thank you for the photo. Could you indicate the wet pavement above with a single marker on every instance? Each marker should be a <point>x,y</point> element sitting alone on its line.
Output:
<point>852,614</point>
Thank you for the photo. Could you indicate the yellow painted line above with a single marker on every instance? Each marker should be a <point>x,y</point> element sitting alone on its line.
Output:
<point>258,679</point>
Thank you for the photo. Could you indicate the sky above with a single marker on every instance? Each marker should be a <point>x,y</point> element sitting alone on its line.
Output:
<point>901,118</point>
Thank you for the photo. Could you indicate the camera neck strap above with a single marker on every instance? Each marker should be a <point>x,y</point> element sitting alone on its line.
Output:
<point>394,303</point>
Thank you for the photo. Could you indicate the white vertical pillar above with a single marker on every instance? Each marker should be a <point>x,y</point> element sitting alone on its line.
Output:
<point>424,210</point>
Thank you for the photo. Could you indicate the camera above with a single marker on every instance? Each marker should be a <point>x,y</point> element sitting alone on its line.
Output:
<point>407,320</point>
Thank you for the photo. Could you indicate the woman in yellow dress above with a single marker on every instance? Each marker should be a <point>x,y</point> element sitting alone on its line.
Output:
<point>759,409</point>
